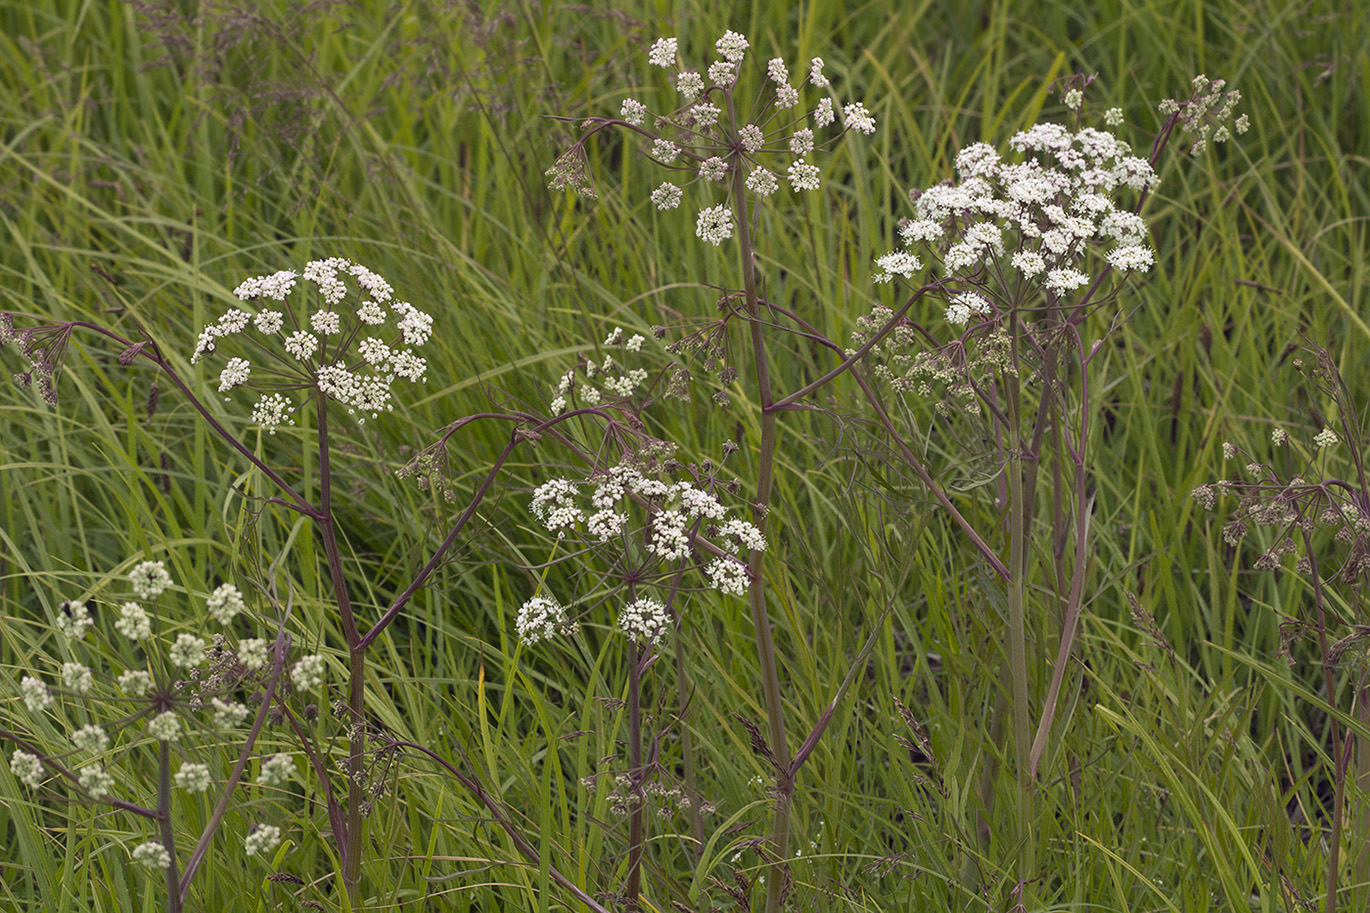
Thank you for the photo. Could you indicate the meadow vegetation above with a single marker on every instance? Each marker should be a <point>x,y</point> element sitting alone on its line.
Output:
<point>875,711</point>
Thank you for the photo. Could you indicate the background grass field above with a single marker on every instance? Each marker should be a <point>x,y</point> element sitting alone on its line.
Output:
<point>153,155</point>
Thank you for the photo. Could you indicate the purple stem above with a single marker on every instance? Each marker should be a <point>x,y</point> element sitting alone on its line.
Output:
<point>202,846</point>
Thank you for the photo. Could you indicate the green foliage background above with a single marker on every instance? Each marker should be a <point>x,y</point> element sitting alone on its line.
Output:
<point>153,155</point>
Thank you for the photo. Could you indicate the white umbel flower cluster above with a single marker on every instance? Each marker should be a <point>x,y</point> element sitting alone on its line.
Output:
<point>1051,205</point>
<point>677,508</point>
<point>697,138</point>
<point>73,620</point>
<point>644,620</point>
<point>603,379</point>
<point>152,854</point>
<point>542,618</point>
<point>302,345</point>
<point>263,839</point>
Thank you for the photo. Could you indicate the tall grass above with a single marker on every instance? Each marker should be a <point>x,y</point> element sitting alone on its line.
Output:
<point>149,161</point>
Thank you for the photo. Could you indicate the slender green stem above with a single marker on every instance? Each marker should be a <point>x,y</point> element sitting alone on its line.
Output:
<point>173,878</point>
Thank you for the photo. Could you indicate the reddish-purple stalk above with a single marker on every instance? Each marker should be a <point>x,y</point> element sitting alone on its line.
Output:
<point>281,649</point>
<point>347,831</point>
<point>778,881</point>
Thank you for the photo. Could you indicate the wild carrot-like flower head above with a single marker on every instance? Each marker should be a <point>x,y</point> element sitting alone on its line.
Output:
<point>349,340</point>
<point>706,138</point>
<point>1037,223</point>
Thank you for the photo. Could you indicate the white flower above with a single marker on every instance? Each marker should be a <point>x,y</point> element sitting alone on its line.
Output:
<point>276,770</point>
<point>73,619</point>
<point>27,767</point>
<point>234,374</point>
<point>77,677</point>
<point>134,682</point>
<point>309,672</point>
<point>667,196</point>
<point>1028,263</point>
<point>188,651</point>
<point>149,579</point>
<point>705,114</point>
<point>1134,172</point>
<point>380,289</point>
<point>777,71</point>
<point>801,143</point>
<point>971,303</point>
<point>1132,257</point>
<point>252,653</point>
<point>302,345</point>
<point>35,693</point>
<point>606,524</point>
<point>816,72</point>
<point>713,169</point>
<point>634,343</point>
<point>824,115</point>
<point>554,505</point>
<point>225,603</point>
<point>153,855</point>
<point>90,738</point>
<point>1123,225</point>
<point>752,138</point>
<point>857,118</point>
<point>728,575</point>
<point>696,502</point>
<point>803,176</point>
<point>328,322</point>
<point>164,727</point>
<point>371,313</point>
<point>731,46</point>
<point>415,325</point>
<point>633,111</point>
<point>1061,281</point>
<point>1325,438</point>
<point>720,72</point>
<point>786,96</point>
<point>715,224</point>
<point>1113,117</point>
<point>324,273</point>
<point>689,84</point>
<point>644,620</point>
<point>1279,436</point>
<point>746,535</point>
<point>762,182</point>
<point>133,621</point>
<point>269,323</point>
<point>271,411</point>
<point>977,160</point>
<point>898,263</point>
<point>263,839</point>
<point>1073,98</point>
<point>95,780</point>
<point>663,52</point>
<point>205,343</point>
<point>669,539</point>
<point>193,778</point>
<point>275,286</point>
<point>227,714</point>
<point>373,351</point>
<point>541,618</point>
<point>920,230</point>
